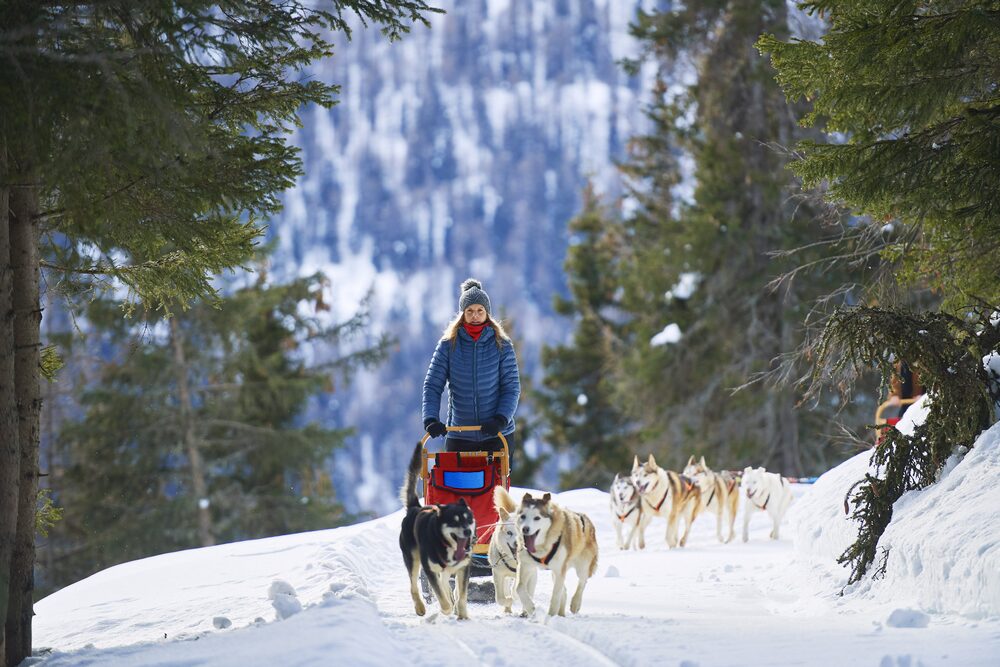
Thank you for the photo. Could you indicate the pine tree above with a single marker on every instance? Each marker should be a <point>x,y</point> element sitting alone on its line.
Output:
<point>193,434</point>
<point>911,89</point>
<point>143,142</point>
<point>908,93</point>
<point>710,264</point>
<point>577,410</point>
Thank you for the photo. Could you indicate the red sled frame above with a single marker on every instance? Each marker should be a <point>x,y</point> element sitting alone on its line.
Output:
<point>495,470</point>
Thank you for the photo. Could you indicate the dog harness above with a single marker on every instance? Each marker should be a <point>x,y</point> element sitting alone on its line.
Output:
<point>766,500</point>
<point>665,494</point>
<point>548,556</point>
<point>505,563</point>
<point>622,517</point>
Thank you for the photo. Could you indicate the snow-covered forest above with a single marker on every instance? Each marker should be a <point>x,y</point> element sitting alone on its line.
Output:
<point>232,234</point>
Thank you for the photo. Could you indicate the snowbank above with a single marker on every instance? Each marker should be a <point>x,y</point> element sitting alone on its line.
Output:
<point>943,541</point>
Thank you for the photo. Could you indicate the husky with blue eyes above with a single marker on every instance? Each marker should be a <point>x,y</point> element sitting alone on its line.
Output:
<point>504,545</point>
<point>554,539</point>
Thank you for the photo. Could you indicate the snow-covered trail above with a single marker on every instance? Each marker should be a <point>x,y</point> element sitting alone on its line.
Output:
<point>706,604</point>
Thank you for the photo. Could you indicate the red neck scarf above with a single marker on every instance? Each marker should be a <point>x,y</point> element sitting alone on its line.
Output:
<point>475,330</point>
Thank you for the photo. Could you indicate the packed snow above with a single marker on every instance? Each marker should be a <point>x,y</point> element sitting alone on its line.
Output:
<point>341,596</point>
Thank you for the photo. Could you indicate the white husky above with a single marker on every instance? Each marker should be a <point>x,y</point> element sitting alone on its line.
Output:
<point>504,545</point>
<point>765,492</point>
<point>626,514</point>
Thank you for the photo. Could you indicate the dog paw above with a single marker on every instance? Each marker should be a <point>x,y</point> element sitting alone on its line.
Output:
<point>420,609</point>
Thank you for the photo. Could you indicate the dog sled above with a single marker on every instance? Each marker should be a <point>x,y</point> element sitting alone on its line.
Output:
<point>448,476</point>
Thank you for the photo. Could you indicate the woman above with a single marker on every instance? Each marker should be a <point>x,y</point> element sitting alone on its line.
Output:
<point>475,358</point>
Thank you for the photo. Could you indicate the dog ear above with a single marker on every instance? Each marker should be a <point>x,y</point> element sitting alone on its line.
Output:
<point>503,514</point>
<point>526,498</point>
<point>635,462</point>
<point>546,498</point>
<point>703,464</point>
<point>462,501</point>
<point>690,461</point>
<point>616,478</point>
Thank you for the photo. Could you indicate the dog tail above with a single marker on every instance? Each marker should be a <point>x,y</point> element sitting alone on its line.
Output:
<point>503,501</point>
<point>408,492</point>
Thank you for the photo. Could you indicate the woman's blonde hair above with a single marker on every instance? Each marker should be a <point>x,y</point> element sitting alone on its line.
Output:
<point>451,331</point>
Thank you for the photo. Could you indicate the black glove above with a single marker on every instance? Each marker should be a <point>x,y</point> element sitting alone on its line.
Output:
<point>435,428</point>
<point>493,425</point>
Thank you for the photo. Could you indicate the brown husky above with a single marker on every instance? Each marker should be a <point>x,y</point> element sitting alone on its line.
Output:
<point>665,493</point>
<point>720,494</point>
<point>555,539</point>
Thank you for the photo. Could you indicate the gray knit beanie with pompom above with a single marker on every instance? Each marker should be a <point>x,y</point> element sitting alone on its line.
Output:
<point>473,292</point>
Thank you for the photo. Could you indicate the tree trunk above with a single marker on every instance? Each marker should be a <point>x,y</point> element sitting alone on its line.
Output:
<point>10,452</point>
<point>197,466</point>
<point>788,426</point>
<point>24,260</point>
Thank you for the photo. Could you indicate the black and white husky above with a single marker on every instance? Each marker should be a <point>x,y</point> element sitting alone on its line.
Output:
<point>626,514</point>
<point>439,539</point>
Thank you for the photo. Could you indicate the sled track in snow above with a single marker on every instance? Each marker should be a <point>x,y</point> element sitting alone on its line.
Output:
<point>510,640</point>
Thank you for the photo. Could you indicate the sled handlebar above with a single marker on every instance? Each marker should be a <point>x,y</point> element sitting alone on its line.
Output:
<point>503,454</point>
<point>879,419</point>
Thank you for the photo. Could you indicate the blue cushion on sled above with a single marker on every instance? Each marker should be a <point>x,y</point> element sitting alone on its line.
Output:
<point>457,479</point>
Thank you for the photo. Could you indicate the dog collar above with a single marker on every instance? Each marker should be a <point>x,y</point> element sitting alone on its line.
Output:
<point>548,556</point>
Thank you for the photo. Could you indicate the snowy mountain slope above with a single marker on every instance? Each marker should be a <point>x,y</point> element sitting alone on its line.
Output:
<point>708,604</point>
<point>461,150</point>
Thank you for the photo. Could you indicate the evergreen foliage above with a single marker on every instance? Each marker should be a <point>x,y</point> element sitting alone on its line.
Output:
<point>908,91</point>
<point>911,88</point>
<point>158,130</point>
<point>129,491</point>
<point>728,240</point>
<point>947,353</point>
<point>140,144</point>
<point>576,406</point>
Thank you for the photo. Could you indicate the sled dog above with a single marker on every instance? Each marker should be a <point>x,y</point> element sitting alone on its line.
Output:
<point>439,539</point>
<point>765,492</point>
<point>720,494</point>
<point>504,546</point>
<point>626,514</point>
<point>665,493</point>
<point>555,539</point>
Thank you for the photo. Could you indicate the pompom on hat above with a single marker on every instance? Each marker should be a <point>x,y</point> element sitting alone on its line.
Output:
<point>473,292</point>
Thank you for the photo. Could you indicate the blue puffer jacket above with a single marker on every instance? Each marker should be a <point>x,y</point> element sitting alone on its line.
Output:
<point>482,382</point>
